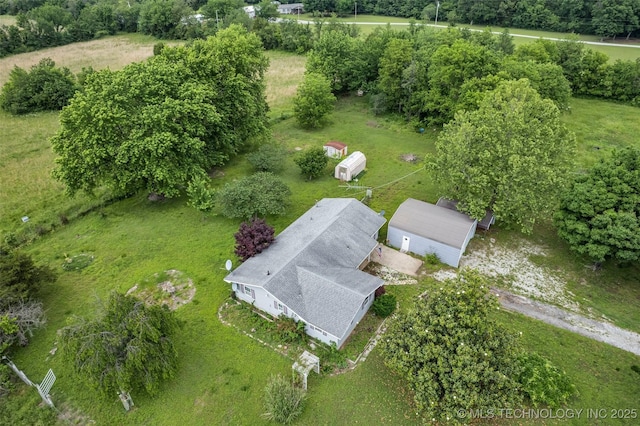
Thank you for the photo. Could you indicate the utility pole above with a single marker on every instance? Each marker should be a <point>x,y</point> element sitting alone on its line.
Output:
<point>356,10</point>
<point>437,8</point>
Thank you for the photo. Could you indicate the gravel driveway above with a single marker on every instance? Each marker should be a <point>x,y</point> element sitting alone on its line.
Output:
<point>597,330</point>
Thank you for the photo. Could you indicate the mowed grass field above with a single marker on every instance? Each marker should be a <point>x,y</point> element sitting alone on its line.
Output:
<point>223,373</point>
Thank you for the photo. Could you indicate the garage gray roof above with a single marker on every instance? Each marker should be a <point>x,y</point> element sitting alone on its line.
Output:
<point>437,223</point>
<point>312,266</point>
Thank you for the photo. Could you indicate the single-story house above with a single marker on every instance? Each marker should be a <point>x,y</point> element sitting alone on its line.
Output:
<point>291,8</point>
<point>351,166</point>
<point>335,149</point>
<point>423,228</point>
<point>312,270</point>
<point>484,224</point>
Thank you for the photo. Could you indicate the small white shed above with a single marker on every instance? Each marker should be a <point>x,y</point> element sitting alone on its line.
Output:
<point>351,166</point>
<point>335,149</point>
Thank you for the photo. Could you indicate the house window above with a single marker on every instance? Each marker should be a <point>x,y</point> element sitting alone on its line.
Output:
<point>280,306</point>
<point>247,290</point>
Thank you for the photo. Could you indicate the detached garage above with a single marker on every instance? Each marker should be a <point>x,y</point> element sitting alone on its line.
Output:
<point>422,228</point>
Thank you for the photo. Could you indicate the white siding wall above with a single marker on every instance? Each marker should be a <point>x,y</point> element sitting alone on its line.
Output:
<point>356,320</point>
<point>265,302</point>
<point>421,245</point>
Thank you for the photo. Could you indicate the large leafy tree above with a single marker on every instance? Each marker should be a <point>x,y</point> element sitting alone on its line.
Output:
<point>159,124</point>
<point>511,155</point>
<point>396,58</point>
<point>128,347</point>
<point>452,352</point>
<point>163,18</point>
<point>449,68</point>
<point>313,101</point>
<point>599,214</point>
<point>258,195</point>
<point>336,55</point>
<point>44,87</point>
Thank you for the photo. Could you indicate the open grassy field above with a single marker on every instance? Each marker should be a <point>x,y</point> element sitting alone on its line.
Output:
<point>222,373</point>
<point>109,52</point>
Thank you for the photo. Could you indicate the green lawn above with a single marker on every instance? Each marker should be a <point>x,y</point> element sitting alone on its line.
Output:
<point>222,372</point>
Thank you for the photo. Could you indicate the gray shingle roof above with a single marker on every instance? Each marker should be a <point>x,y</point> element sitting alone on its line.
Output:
<point>312,265</point>
<point>440,224</point>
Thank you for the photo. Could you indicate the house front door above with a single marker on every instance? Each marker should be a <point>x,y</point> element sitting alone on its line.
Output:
<point>405,244</point>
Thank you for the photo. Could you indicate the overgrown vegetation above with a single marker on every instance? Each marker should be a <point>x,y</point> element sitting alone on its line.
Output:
<point>542,382</point>
<point>283,401</point>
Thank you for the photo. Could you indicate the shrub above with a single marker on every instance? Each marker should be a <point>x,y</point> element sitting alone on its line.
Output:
<point>283,401</point>
<point>268,158</point>
<point>312,162</point>
<point>431,259</point>
<point>43,88</point>
<point>289,330</point>
<point>384,305</point>
<point>252,238</point>
<point>543,382</point>
<point>380,291</point>
<point>259,195</point>
<point>201,197</point>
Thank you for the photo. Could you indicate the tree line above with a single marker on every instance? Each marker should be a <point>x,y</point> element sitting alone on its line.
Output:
<point>605,18</point>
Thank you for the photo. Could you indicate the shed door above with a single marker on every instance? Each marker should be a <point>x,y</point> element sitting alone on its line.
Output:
<point>405,244</point>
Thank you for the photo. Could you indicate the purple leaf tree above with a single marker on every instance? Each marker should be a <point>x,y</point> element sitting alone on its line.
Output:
<point>252,238</point>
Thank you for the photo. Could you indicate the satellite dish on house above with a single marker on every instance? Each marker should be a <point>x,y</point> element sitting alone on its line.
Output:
<point>227,265</point>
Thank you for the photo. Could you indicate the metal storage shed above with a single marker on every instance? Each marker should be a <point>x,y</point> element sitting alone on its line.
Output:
<point>351,166</point>
<point>423,228</point>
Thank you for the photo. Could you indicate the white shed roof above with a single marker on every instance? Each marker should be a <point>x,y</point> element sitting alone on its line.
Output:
<point>430,221</point>
<point>353,160</point>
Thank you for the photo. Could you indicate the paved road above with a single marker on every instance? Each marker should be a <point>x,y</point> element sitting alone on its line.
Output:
<point>597,330</point>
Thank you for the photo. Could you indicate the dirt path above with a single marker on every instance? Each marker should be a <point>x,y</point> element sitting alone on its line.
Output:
<point>597,330</point>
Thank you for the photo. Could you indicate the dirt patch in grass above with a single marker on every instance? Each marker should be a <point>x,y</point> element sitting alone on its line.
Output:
<point>410,158</point>
<point>170,288</point>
